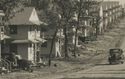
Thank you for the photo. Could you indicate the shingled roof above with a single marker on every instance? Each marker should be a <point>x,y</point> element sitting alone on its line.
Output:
<point>23,17</point>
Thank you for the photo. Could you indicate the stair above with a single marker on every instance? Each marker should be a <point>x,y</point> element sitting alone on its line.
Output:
<point>6,65</point>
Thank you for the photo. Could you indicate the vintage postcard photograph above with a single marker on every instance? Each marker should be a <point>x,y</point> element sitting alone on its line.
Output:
<point>62,39</point>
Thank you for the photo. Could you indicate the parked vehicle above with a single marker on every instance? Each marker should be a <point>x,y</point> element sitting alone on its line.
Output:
<point>25,65</point>
<point>116,56</point>
<point>17,63</point>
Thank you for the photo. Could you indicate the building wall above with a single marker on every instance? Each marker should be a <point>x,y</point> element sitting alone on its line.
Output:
<point>31,52</point>
<point>6,49</point>
<point>46,50</point>
<point>31,32</point>
<point>26,32</point>
<point>22,33</point>
<point>27,50</point>
<point>57,44</point>
<point>34,32</point>
<point>22,49</point>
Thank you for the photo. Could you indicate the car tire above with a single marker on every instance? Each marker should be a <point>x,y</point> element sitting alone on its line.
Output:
<point>30,70</point>
<point>122,62</point>
<point>110,63</point>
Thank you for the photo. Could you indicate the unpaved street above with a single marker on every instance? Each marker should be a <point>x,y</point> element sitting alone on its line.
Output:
<point>94,67</point>
<point>101,71</point>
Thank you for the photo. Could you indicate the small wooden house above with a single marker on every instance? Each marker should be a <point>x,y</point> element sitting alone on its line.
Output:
<point>24,30</point>
<point>57,46</point>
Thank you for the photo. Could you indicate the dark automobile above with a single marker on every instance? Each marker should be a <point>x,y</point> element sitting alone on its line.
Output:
<point>25,65</point>
<point>17,63</point>
<point>116,56</point>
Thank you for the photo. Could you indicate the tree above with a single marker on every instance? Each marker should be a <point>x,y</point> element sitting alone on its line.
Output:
<point>7,6</point>
<point>66,8</point>
<point>79,10</point>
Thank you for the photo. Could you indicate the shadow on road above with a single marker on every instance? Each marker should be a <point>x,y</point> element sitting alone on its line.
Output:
<point>102,64</point>
<point>93,78</point>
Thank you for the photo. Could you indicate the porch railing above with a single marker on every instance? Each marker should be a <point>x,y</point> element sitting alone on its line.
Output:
<point>7,64</point>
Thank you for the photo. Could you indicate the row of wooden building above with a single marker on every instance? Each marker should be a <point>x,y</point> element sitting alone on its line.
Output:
<point>100,17</point>
<point>23,34</point>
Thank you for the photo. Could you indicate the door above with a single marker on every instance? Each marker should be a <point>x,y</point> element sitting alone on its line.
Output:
<point>13,48</point>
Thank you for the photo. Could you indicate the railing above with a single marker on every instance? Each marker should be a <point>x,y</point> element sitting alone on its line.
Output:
<point>7,64</point>
<point>4,63</point>
<point>10,64</point>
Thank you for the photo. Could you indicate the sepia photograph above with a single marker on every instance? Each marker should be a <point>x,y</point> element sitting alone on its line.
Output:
<point>62,39</point>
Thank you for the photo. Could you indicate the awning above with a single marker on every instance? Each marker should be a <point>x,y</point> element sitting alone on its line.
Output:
<point>24,41</point>
<point>20,41</point>
<point>6,37</point>
<point>41,40</point>
<point>33,41</point>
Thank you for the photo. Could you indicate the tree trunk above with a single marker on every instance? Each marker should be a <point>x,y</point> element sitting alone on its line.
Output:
<point>75,42</point>
<point>66,43</point>
<point>96,31</point>
<point>52,43</point>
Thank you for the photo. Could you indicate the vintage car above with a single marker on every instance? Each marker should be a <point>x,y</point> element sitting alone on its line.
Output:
<point>116,56</point>
<point>17,63</point>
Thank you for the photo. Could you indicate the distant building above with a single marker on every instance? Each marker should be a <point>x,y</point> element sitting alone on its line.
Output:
<point>58,43</point>
<point>112,11</point>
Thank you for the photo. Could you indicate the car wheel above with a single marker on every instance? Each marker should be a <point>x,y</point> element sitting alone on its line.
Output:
<point>30,70</point>
<point>110,63</point>
<point>122,62</point>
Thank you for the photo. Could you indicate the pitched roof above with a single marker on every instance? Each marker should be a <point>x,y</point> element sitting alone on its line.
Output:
<point>23,16</point>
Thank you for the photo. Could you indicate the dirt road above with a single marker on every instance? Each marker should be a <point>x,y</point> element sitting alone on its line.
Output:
<point>85,67</point>
<point>100,71</point>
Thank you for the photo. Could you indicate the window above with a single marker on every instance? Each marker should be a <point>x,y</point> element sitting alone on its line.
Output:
<point>44,44</point>
<point>13,29</point>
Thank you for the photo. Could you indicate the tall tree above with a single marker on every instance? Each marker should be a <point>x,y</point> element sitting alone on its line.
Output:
<point>79,10</point>
<point>64,9</point>
<point>66,12</point>
<point>8,6</point>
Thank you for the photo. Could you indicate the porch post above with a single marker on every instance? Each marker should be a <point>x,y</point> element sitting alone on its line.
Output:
<point>0,51</point>
<point>0,43</point>
<point>35,45</point>
<point>35,59</point>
